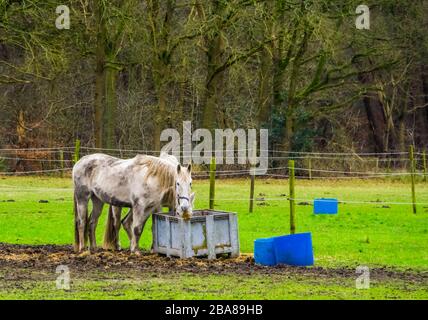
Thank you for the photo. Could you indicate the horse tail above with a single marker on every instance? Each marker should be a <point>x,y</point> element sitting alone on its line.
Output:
<point>110,236</point>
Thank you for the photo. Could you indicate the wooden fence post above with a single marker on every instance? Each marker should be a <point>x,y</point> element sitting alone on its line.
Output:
<point>61,159</point>
<point>212,182</point>
<point>76,155</point>
<point>252,176</point>
<point>424,159</point>
<point>310,168</point>
<point>292,197</point>
<point>412,175</point>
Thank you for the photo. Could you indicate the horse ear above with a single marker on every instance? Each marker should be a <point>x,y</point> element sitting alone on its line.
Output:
<point>178,168</point>
<point>189,168</point>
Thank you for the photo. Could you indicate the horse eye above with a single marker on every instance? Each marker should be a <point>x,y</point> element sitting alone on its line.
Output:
<point>178,184</point>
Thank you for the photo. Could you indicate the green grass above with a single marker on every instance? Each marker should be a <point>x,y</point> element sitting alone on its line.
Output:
<point>361,234</point>
<point>222,287</point>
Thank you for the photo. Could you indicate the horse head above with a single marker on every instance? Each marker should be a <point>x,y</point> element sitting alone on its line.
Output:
<point>184,195</point>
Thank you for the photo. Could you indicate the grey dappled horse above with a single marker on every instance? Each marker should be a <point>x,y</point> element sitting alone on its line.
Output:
<point>111,237</point>
<point>143,183</point>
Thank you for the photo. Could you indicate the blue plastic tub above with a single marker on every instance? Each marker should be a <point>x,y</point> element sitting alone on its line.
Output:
<point>325,206</point>
<point>264,253</point>
<point>294,249</point>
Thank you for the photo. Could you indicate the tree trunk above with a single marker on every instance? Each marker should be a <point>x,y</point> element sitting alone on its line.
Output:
<point>264,93</point>
<point>211,109</point>
<point>98,99</point>
<point>214,84</point>
<point>4,52</point>
<point>160,24</point>
<point>20,129</point>
<point>292,102</point>
<point>99,77</point>
<point>282,57</point>
<point>402,135</point>
<point>280,63</point>
<point>376,120</point>
<point>264,98</point>
<point>375,115</point>
<point>110,107</point>
<point>424,76</point>
<point>159,119</point>
<point>214,87</point>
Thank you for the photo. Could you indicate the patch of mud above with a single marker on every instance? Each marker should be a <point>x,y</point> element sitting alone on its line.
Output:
<point>47,257</point>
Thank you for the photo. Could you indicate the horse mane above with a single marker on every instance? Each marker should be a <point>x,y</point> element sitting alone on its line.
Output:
<point>164,171</point>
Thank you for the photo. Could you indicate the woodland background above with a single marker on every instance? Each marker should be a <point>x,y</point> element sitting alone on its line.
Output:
<point>126,70</point>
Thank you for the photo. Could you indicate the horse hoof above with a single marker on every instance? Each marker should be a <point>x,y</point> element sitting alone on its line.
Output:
<point>136,253</point>
<point>83,254</point>
<point>83,251</point>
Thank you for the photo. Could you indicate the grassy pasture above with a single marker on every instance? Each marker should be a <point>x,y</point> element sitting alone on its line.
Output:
<point>114,285</point>
<point>372,233</point>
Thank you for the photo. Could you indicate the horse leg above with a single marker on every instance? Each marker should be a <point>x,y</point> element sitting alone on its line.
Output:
<point>127,223</point>
<point>97,208</point>
<point>117,211</point>
<point>81,219</point>
<point>139,217</point>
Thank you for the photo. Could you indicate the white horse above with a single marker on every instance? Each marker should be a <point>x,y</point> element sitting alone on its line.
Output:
<point>143,183</point>
<point>111,237</point>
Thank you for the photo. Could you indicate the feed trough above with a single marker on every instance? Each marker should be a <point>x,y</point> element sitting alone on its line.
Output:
<point>206,233</point>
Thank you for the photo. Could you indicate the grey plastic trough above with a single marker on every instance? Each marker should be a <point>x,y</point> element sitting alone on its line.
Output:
<point>206,233</point>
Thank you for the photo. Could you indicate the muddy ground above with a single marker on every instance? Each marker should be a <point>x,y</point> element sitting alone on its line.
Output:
<point>48,257</point>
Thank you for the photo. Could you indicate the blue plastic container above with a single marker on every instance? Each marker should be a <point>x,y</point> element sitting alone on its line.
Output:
<point>294,249</point>
<point>325,206</point>
<point>264,253</point>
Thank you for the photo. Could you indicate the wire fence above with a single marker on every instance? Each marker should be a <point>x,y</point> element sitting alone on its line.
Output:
<point>70,149</point>
<point>312,165</point>
<point>247,172</point>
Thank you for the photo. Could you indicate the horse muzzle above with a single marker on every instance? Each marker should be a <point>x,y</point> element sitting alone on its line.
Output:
<point>186,215</point>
